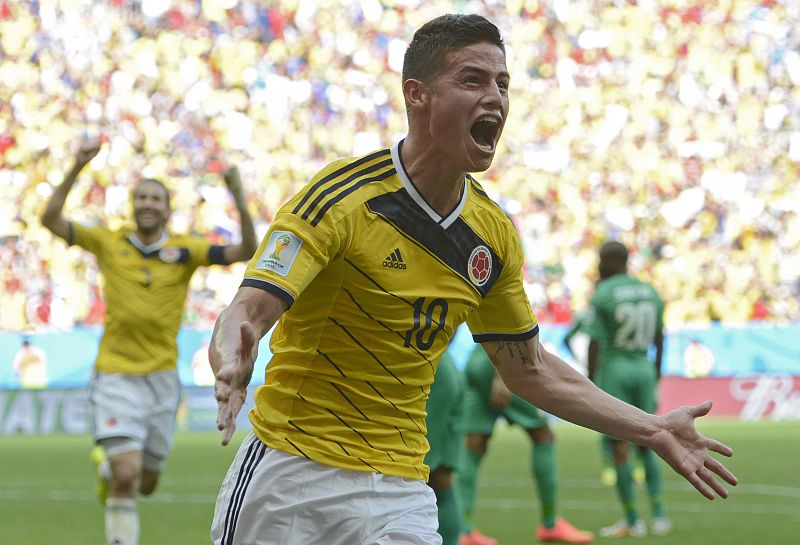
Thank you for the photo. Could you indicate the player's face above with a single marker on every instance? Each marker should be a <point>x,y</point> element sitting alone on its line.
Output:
<point>150,206</point>
<point>470,105</point>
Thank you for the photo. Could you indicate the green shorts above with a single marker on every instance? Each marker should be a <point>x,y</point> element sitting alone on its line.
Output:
<point>480,417</point>
<point>445,414</point>
<point>633,382</point>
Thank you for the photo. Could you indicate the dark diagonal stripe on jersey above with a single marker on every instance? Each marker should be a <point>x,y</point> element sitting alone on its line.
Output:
<point>395,407</point>
<point>452,246</point>
<point>367,350</point>
<point>351,428</point>
<point>363,461</point>
<point>335,174</point>
<point>324,355</point>
<point>298,449</point>
<point>333,187</point>
<point>255,452</point>
<point>387,328</point>
<point>345,192</point>
<point>298,428</point>
<point>376,284</point>
<point>403,439</point>
<point>384,290</point>
<point>365,417</point>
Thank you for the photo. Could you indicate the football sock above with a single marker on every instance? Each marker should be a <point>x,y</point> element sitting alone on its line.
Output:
<point>626,491</point>
<point>449,516</point>
<point>652,473</point>
<point>467,477</point>
<point>122,521</point>
<point>543,464</point>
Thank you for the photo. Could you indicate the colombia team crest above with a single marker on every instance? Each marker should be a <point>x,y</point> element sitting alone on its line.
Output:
<point>479,265</point>
<point>169,255</point>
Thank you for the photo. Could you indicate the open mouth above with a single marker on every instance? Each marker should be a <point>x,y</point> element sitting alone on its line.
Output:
<point>484,132</point>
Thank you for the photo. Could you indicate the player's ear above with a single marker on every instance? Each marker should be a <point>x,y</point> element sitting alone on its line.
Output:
<point>417,94</point>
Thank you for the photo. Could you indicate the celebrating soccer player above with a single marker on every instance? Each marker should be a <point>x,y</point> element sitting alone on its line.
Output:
<point>135,390</point>
<point>338,442</point>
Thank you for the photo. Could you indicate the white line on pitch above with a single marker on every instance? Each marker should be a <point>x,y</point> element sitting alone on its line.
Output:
<point>485,501</point>
<point>489,503</point>
<point>744,488</point>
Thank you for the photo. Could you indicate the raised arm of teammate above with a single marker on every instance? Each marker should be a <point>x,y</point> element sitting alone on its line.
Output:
<point>52,217</point>
<point>542,378</point>
<point>245,249</point>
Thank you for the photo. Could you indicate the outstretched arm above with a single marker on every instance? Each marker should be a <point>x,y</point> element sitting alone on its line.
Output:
<point>233,350</point>
<point>52,217</point>
<point>245,249</point>
<point>549,383</point>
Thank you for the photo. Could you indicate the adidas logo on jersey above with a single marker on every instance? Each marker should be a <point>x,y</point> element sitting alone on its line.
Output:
<point>394,261</point>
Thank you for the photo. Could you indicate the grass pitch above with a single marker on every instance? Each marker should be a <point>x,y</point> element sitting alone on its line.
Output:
<point>47,490</point>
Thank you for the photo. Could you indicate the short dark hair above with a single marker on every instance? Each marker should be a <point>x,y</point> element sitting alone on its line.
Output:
<point>425,55</point>
<point>614,252</point>
<point>613,259</point>
<point>157,182</point>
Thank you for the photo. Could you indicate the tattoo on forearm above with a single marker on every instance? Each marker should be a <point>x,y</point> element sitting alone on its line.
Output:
<point>515,350</point>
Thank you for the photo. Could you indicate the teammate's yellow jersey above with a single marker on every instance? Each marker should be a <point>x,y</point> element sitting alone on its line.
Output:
<point>377,282</point>
<point>145,289</point>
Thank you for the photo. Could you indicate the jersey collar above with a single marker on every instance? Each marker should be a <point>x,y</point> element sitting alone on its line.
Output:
<point>446,221</point>
<point>148,248</point>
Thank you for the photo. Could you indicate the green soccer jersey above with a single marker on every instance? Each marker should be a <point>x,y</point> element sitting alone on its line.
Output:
<point>623,317</point>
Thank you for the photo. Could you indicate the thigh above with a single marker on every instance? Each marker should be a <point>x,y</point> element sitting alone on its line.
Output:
<point>119,407</point>
<point>270,497</point>
<point>614,381</point>
<point>408,509</point>
<point>643,390</point>
<point>166,395</point>
<point>479,416</point>
<point>524,414</point>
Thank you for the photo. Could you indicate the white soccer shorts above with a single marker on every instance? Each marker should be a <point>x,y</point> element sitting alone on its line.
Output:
<point>270,497</point>
<point>138,408</point>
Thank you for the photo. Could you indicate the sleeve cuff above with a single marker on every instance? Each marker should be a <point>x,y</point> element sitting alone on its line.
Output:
<point>491,337</point>
<point>216,255</point>
<point>274,289</point>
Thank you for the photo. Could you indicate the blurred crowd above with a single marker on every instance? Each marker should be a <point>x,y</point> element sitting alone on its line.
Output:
<point>673,126</point>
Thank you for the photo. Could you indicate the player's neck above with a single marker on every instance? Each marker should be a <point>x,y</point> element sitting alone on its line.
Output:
<point>148,237</point>
<point>439,184</point>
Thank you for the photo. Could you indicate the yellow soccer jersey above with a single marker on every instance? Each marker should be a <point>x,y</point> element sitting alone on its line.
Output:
<point>145,289</point>
<point>377,282</point>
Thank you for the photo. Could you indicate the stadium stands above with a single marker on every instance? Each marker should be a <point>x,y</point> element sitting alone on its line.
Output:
<point>674,126</point>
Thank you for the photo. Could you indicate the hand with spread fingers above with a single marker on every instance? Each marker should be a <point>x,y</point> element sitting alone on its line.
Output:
<point>232,378</point>
<point>689,453</point>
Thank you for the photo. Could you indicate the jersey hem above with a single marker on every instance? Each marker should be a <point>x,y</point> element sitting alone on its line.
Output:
<point>421,473</point>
